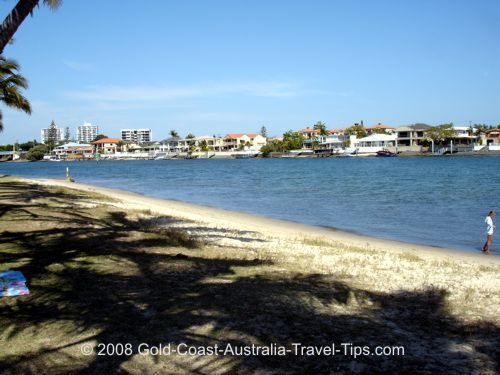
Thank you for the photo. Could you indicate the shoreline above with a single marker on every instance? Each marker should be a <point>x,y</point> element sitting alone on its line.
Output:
<point>275,227</point>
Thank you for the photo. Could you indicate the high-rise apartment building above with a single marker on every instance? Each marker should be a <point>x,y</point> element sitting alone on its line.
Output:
<point>87,132</point>
<point>136,135</point>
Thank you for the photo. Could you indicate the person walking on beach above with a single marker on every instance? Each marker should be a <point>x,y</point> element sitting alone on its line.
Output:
<point>490,228</point>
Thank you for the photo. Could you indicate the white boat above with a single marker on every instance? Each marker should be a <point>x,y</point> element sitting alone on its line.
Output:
<point>244,154</point>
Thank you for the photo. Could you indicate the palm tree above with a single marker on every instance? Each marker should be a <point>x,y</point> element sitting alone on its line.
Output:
<point>174,134</point>
<point>10,83</point>
<point>320,127</point>
<point>16,17</point>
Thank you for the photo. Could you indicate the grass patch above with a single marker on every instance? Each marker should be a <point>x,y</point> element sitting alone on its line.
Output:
<point>410,257</point>
<point>316,241</point>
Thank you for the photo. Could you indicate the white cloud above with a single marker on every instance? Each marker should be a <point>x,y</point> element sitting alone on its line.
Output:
<point>80,66</point>
<point>166,93</point>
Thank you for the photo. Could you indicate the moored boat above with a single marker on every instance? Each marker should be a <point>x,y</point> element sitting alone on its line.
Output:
<point>386,153</point>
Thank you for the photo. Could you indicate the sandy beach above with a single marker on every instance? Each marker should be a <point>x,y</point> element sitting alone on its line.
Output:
<point>270,227</point>
<point>107,266</point>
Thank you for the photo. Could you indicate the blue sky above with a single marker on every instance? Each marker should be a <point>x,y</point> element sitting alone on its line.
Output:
<point>215,67</point>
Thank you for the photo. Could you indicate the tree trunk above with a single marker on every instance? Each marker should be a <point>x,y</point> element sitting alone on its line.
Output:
<point>14,19</point>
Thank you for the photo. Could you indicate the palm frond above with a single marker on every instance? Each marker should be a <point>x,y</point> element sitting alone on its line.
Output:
<point>15,80</point>
<point>52,4</point>
<point>13,98</point>
<point>11,82</point>
<point>8,66</point>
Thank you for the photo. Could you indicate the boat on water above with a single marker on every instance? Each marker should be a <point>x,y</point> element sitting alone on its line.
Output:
<point>244,154</point>
<point>345,155</point>
<point>386,154</point>
<point>348,153</point>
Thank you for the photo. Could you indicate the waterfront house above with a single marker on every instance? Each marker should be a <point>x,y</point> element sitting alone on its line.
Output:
<point>213,143</point>
<point>310,137</point>
<point>493,137</point>
<point>151,147</point>
<point>257,141</point>
<point>464,139</point>
<point>174,145</point>
<point>253,142</point>
<point>411,138</point>
<point>331,143</point>
<point>73,150</point>
<point>322,143</point>
<point>106,146</point>
<point>372,143</point>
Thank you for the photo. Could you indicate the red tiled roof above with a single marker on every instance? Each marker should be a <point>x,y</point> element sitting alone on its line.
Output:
<point>236,135</point>
<point>106,140</point>
<point>253,135</point>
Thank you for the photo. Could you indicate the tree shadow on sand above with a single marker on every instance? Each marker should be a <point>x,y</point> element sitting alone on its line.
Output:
<point>109,281</point>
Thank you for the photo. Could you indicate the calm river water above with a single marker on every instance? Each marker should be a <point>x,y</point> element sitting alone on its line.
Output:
<point>438,201</point>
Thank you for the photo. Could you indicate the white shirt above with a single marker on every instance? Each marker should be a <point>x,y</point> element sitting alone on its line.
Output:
<point>489,225</point>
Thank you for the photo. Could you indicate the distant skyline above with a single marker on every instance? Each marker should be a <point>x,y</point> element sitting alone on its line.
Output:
<point>223,67</point>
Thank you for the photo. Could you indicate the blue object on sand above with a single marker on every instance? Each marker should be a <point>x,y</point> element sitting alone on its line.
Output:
<point>12,283</point>
<point>12,276</point>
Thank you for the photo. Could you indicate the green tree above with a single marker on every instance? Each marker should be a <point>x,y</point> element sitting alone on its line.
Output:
<point>203,145</point>
<point>439,134</point>
<point>292,140</point>
<point>357,129</point>
<point>120,145</point>
<point>191,143</point>
<point>36,153</point>
<point>263,132</point>
<point>480,129</point>
<point>52,136</point>
<point>27,145</point>
<point>320,128</point>
<point>7,147</point>
<point>16,17</point>
<point>266,149</point>
<point>273,146</point>
<point>174,134</point>
<point>10,84</point>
